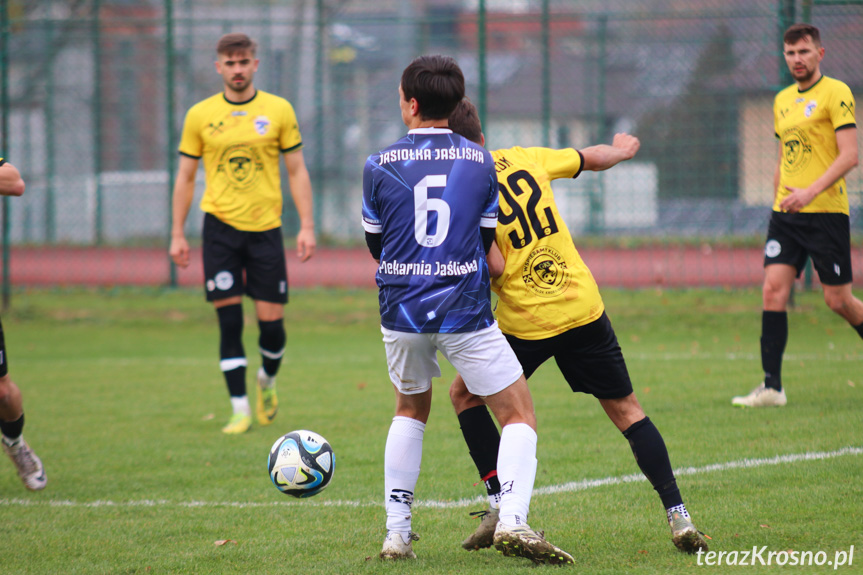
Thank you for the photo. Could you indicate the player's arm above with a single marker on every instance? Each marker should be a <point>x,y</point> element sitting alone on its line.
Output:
<point>301,191</point>
<point>11,183</point>
<point>846,160</point>
<point>777,173</point>
<point>184,192</point>
<point>603,156</point>
<point>496,261</point>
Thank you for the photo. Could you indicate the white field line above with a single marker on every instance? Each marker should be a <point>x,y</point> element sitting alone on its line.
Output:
<point>636,356</point>
<point>583,485</point>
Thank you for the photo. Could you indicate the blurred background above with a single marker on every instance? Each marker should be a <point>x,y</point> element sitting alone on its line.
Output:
<point>94,93</point>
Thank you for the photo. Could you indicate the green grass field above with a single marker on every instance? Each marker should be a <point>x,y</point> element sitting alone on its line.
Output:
<point>124,402</point>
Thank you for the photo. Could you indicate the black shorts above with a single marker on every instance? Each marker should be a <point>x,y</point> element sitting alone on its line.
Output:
<point>588,356</point>
<point>228,252</point>
<point>826,238</point>
<point>4,364</point>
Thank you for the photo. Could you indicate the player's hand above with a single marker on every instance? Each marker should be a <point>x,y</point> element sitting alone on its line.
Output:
<point>798,199</point>
<point>179,251</point>
<point>627,144</point>
<point>305,244</point>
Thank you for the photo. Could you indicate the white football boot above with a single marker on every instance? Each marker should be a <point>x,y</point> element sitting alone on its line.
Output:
<point>761,396</point>
<point>27,463</point>
<point>397,547</point>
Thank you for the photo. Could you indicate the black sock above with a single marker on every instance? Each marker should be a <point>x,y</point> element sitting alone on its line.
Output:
<point>774,336</point>
<point>231,352</point>
<point>859,329</point>
<point>271,343</point>
<point>483,441</point>
<point>12,429</point>
<point>652,457</point>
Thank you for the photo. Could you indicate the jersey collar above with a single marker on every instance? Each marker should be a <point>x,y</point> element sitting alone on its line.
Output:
<point>255,95</point>
<point>430,131</point>
<point>818,81</point>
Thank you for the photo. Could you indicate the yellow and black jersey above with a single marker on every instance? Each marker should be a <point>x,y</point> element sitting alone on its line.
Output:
<point>241,144</point>
<point>2,160</point>
<point>806,124</point>
<point>546,288</point>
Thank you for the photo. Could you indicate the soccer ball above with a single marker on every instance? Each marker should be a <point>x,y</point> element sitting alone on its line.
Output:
<point>301,463</point>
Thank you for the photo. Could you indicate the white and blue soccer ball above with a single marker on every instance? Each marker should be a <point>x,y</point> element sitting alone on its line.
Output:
<point>301,463</point>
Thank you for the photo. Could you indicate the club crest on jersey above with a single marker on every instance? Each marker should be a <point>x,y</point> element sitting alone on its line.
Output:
<point>262,125</point>
<point>810,107</point>
<point>796,151</point>
<point>242,165</point>
<point>544,272</point>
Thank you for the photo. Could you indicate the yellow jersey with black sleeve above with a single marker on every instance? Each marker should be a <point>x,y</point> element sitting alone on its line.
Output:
<point>546,288</point>
<point>241,145</point>
<point>806,123</point>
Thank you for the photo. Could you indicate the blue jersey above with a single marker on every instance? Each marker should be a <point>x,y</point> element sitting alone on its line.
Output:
<point>428,195</point>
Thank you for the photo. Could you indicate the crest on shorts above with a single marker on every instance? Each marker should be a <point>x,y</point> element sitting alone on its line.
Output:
<point>772,249</point>
<point>224,280</point>
<point>262,125</point>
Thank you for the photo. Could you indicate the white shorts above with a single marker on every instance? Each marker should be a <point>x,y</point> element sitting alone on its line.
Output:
<point>483,358</point>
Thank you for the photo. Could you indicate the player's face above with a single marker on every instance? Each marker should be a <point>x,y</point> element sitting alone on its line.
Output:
<point>803,59</point>
<point>237,70</point>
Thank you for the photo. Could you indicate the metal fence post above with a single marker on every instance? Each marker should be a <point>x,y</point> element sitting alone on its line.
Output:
<point>97,119</point>
<point>4,139</point>
<point>169,119</point>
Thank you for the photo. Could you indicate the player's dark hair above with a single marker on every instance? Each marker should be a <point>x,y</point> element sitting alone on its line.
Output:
<point>236,42</point>
<point>464,121</point>
<point>437,84</point>
<point>797,32</point>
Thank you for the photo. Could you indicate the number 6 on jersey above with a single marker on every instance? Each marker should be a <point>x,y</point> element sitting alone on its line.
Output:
<point>423,204</point>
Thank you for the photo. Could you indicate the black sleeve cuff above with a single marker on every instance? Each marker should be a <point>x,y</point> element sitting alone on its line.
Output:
<point>487,238</point>
<point>374,243</point>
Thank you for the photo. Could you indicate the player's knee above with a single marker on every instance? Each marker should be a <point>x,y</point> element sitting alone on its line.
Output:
<point>775,296</point>
<point>837,302</point>
<point>5,391</point>
<point>461,398</point>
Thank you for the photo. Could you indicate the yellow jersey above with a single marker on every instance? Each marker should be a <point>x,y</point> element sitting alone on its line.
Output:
<point>241,144</point>
<point>806,124</point>
<point>546,288</point>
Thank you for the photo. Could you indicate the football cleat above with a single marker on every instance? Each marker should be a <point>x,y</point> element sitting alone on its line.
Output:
<point>761,396</point>
<point>397,547</point>
<point>29,466</point>
<point>483,537</point>
<point>239,423</point>
<point>522,541</point>
<point>267,404</point>
<point>684,535</point>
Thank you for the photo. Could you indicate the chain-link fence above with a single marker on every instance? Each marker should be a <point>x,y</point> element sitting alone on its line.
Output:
<point>95,92</point>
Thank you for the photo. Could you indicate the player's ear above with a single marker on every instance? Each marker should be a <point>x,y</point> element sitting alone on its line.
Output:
<point>482,139</point>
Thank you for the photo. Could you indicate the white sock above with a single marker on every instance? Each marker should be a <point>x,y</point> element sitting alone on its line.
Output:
<point>241,405</point>
<point>516,470</point>
<point>494,501</point>
<point>404,452</point>
<point>679,508</point>
<point>13,442</point>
